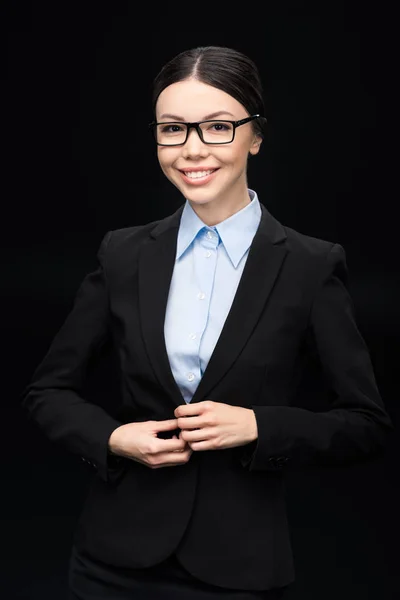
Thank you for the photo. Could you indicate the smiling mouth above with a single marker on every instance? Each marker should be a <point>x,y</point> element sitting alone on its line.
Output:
<point>198,174</point>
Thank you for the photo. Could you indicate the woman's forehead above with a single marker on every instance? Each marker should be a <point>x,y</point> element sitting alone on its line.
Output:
<point>195,98</point>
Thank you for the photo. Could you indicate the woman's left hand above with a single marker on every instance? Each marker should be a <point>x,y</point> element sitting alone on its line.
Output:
<point>212,425</point>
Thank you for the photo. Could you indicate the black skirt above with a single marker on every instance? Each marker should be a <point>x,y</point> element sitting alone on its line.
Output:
<point>89,579</point>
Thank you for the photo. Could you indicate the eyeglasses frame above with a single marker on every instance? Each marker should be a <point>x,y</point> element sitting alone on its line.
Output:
<point>196,125</point>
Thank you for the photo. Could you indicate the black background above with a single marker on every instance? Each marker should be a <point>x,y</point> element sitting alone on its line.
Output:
<point>79,161</point>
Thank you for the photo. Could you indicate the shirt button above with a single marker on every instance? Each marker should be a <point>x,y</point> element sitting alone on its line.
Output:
<point>201,295</point>
<point>190,376</point>
<point>208,254</point>
<point>192,336</point>
<point>209,235</point>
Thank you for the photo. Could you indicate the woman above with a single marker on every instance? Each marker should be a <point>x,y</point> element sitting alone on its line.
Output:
<point>214,312</point>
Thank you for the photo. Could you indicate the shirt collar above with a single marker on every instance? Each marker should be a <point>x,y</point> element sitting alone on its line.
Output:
<point>236,232</point>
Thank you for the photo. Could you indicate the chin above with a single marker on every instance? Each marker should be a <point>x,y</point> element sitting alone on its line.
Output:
<point>200,198</point>
<point>199,194</point>
<point>202,194</point>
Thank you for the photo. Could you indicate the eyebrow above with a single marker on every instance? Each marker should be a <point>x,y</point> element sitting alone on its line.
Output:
<point>211,116</point>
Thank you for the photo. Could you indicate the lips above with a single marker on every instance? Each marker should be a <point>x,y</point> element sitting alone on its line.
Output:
<point>195,169</point>
<point>201,179</point>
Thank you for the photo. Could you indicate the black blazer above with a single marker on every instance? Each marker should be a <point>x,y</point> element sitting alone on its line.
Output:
<point>224,510</point>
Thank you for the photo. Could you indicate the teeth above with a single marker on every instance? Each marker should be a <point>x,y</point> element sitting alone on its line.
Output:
<point>198,174</point>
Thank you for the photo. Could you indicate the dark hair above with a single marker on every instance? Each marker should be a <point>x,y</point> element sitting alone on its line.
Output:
<point>224,68</point>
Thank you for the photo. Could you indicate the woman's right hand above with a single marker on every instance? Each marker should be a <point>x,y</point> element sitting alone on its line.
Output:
<point>139,442</point>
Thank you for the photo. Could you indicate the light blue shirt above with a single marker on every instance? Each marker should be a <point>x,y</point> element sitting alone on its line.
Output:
<point>208,267</point>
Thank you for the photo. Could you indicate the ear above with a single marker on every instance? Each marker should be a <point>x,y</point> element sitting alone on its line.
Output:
<point>255,146</point>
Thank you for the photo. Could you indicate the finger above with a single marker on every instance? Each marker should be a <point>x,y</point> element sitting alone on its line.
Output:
<point>190,422</point>
<point>199,435</point>
<point>166,425</point>
<point>172,444</point>
<point>175,437</point>
<point>193,409</point>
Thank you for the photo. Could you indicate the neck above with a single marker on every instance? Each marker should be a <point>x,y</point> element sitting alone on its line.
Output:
<point>218,210</point>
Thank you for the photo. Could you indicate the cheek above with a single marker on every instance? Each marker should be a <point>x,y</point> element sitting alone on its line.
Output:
<point>167,158</point>
<point>229,157</point>
<point>238,155</point>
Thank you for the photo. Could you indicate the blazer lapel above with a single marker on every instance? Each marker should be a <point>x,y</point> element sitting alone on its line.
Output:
<point>156,263</point>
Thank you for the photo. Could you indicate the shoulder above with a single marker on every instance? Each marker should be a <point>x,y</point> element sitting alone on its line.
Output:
<point>323,256</point>
<point>130,236</point>
<point>300,245</point>
<point>307,245</point>
<point>308,258</point>
<point>125,241</point>
<point>120,247</point>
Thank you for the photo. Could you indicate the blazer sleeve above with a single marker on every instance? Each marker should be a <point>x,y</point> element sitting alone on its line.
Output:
<point>53,397</point>
<point>356,426</point>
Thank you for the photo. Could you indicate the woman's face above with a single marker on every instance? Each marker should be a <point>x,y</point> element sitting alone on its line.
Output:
<point>190,101</point>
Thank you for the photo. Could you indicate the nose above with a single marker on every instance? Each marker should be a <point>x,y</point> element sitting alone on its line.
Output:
<point>194,146</point>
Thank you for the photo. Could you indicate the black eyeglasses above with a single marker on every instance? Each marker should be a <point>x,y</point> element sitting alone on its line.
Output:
<point>210,132</point>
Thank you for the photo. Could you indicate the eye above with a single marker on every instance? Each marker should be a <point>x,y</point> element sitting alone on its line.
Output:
<point>171,128</point>
<point>221,126</point>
